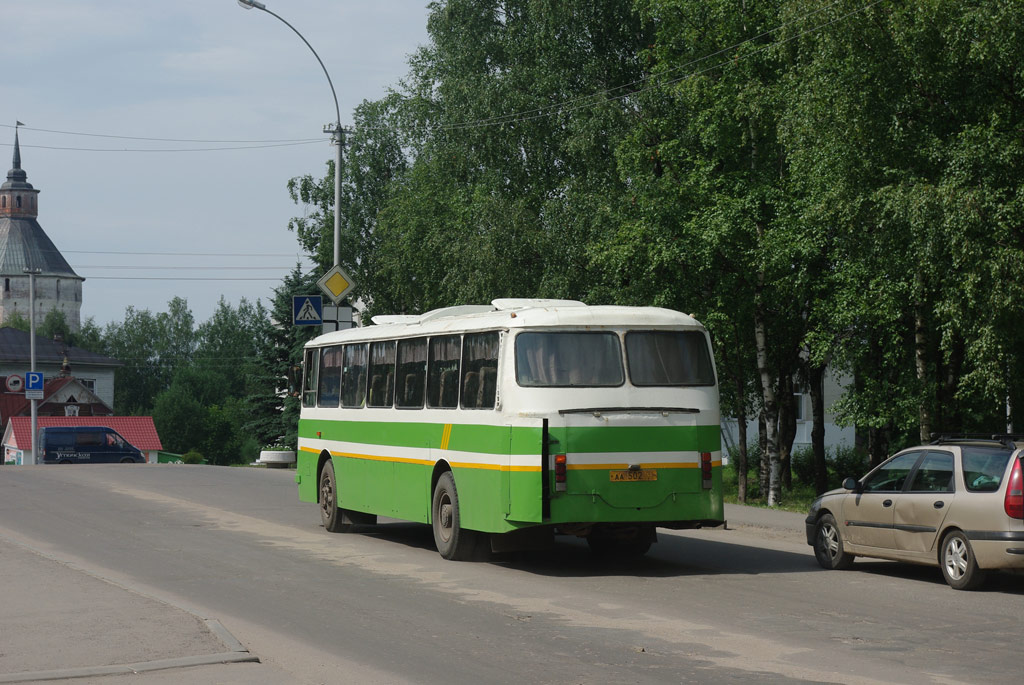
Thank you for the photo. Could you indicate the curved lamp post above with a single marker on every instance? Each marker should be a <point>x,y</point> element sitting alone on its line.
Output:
<point>337,133</point>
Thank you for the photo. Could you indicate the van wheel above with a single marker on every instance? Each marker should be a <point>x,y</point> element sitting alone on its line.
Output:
<point>127,460</point>
<point>452,540</point>
<point>65,461</point>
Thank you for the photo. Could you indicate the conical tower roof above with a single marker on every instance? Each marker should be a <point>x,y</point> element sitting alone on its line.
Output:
<point>23,243</point>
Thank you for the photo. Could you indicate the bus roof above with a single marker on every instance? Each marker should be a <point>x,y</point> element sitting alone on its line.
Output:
<point>508,313</point>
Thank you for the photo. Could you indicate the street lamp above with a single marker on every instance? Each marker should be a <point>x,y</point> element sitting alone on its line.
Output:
<point>337,133</point>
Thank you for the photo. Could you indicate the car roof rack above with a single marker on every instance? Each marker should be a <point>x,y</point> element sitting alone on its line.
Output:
<point>1005,439</point>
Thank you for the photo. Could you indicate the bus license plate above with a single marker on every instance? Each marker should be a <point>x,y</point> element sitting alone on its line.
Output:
<point>642,474</point>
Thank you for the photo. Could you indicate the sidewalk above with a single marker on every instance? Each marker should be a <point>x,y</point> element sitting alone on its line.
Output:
<point>62,623</point>
<point>784,524</point>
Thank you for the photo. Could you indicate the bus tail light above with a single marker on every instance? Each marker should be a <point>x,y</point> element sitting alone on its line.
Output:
<point>1013,501</point>
<point>705,470</point>
<point>560,472</point>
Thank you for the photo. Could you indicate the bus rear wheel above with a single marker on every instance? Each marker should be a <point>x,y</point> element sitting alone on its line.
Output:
<point>452,540</point>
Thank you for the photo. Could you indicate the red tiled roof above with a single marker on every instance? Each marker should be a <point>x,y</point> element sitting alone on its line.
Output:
<point>138,430</point>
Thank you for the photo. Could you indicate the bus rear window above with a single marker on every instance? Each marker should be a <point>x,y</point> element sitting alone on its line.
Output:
<point>590,359</point>
<point>668,358</point>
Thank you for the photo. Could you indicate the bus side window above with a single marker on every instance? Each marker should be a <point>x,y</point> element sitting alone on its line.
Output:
<point>330,377</point>
<point>382,373</point>
<point>488,386</point>
<point>309,380</point>
<point>443,372</point>
<point>353,376</point>
<point>412,371</point>
<point>479,368</point>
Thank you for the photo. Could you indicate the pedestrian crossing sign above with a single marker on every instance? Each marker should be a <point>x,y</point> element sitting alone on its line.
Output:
<point>307,310</point>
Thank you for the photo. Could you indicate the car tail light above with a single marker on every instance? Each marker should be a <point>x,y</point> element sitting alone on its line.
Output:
<point>1013,502</point>
<point>560,469</point>
<point>705,470</point>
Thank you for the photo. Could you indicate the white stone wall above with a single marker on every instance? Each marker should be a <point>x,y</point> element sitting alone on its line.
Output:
<point>52,292</point>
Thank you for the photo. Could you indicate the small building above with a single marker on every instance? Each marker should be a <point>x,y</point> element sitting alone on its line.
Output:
<point>56,360</point>
<point>61,397</point>
<point>137,430</point>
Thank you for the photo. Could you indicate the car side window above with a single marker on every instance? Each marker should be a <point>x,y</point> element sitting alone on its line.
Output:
<point>892,475</point>
<point>935,474</point>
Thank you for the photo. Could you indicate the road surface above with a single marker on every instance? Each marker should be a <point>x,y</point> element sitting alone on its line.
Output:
<point>743,605</point>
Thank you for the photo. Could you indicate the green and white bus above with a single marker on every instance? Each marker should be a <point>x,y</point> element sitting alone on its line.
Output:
<point>502,425</point>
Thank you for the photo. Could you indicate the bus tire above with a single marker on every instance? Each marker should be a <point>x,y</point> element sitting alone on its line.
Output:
<point>453,542</point>
<point>334,518</point>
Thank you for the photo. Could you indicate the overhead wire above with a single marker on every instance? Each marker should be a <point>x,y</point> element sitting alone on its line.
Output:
<point>565,106</point>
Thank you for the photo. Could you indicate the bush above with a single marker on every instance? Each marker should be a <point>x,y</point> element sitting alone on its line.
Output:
<point>193,457</point>
<point>841,462</point>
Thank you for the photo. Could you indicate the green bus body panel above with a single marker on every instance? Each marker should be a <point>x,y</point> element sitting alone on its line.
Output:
<point>498,498</point>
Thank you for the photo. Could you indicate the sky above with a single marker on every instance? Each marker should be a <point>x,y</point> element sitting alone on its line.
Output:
<point>145,226</point>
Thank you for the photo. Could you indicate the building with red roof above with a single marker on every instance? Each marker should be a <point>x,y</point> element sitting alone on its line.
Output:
<point>137,430</point>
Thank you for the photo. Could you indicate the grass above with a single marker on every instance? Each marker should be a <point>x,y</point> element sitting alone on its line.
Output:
<point>797,499</point>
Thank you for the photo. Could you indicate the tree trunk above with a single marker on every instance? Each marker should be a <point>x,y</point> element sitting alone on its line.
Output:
<point>816,379</point>
<point>771,405</point>
<point>741,451</point>
<point>762,465</point>
<point>921,367</point>
<point>787,428</point>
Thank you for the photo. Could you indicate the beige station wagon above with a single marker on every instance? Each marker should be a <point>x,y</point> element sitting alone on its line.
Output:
<point>957,503</point>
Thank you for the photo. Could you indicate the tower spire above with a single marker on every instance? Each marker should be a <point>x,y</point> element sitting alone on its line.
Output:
<point>16,164</point>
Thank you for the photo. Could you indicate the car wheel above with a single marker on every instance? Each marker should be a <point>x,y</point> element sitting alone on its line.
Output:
<point>452,540</point>
<point>959,566</point>
<point>828,545</point>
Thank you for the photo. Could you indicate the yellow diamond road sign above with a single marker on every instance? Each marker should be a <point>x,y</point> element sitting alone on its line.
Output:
<point>335,284</point>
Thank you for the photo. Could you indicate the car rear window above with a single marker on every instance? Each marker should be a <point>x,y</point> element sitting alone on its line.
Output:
<point>984,467</point>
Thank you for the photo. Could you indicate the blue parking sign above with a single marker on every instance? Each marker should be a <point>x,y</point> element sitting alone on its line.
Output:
<point>34,380</point>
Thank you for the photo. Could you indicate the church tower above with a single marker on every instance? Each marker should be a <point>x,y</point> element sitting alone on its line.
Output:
<point>23,246</point>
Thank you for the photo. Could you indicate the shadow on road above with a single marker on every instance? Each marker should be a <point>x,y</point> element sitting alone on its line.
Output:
<point>673,555</point>
<point>1007,582</point>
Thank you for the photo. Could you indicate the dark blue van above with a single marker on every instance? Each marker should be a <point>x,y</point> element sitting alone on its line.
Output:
<point>85,445</point>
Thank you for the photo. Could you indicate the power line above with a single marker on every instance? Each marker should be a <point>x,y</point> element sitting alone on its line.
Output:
<point>176,278</point>
<point>183,149</point>
<point>564,106</point>
<point>164,140</point>
<point>146,267</point>
<point>176,254</point>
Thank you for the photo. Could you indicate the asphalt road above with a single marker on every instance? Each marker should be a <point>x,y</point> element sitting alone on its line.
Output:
<point>744,605</point>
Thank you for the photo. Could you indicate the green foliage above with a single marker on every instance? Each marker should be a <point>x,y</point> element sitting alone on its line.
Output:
<point>821,185</point>
<point>193,457</point>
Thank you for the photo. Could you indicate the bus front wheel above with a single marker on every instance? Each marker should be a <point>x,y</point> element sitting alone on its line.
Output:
<point>452,540</point>
<point>332,516</point>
